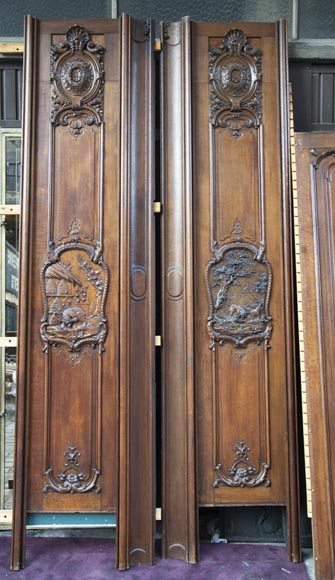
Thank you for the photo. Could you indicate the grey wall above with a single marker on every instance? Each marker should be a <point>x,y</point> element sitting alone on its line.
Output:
<point>13,11</point>
<point>229,10</point>
<point>316,18</point>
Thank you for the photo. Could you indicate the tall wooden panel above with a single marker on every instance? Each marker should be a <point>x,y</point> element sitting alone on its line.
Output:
<point>315,153</point>
<point>179,483</point>
<point>86,324</point>
<point>236,331</point>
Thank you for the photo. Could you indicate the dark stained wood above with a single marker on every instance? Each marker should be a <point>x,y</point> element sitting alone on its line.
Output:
<point>85,414</point>
<point>179,478</point>
<point>242,273</point>
<point>136,523</point>
<point>315,154</point>
<point>23,361</point>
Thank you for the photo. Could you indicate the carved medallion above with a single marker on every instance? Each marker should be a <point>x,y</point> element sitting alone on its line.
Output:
<point>72,479</point>
<point>238,279</point>
<point>74,287</point>
<point>242,473</point>
<point>77,76</point>
<point>235,70</point>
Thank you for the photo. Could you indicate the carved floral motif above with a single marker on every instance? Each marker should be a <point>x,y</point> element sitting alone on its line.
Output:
<point>72,479</point>
<point>242,473</point>
<point>238,279</point>
<point>235,70</point>
<point>74,287</point>
<point>77,76</point>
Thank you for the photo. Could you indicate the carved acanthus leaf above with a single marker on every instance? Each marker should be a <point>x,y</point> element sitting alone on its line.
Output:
<point>77,77</point>
<point>235,70</point>
<point>242,473</point>
<point>72,479</point>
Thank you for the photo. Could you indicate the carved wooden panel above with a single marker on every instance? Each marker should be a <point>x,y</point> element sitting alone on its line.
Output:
<point>86,280</point>
<point>235,257</point>
<point>315,155</point>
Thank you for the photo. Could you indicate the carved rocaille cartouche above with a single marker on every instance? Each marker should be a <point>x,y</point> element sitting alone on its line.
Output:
<point>74,288</point>
<point>77,75</point>
<point>235,70</point>
<point>238,279</point>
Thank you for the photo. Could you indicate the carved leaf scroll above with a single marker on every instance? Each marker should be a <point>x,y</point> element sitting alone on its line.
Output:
<point>238,279</point>
<point>74,286</point>
<point>72,479</point>
<point>242,473</point>
<point>77,77</point>
<point>235,70</point>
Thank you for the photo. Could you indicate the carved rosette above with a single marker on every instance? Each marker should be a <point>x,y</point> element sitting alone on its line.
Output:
<point>238,279</point>
<point>74,284</point>
<point>77,77</point>
<point>242,473</point>
<point>235,71</point>
<point>72,479</point>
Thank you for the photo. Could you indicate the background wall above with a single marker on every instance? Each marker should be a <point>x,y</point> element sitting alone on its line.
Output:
<point>315,18</point>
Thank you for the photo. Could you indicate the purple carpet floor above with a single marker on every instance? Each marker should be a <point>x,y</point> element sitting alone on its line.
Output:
<point>93,559</point>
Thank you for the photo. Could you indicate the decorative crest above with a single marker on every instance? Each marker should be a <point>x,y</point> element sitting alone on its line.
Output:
<point>77,77</point>
<point>72,479</point>
<point>242,473</point>
<point>235,70</point>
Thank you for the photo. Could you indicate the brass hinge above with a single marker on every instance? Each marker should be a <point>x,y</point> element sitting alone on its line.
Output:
<point>157,45</point>
<point>158,340</point>
<point>157,207</point>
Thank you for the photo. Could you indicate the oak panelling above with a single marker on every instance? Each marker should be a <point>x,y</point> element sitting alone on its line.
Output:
<point>88,231</point>
<point>315,165</point>
<point>179,479</point>
<point>137,332</point>
<point>241,182</point>
<point>243,332</point>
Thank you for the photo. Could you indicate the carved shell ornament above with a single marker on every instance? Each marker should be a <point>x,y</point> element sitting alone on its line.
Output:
<point>77,77</point>
<point>235,70</point>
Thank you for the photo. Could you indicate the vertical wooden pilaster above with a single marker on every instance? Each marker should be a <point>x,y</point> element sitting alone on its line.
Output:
<point>293,498</point>
<point>21,443</point>
<point>179,509</point>
<point>136,422</point>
